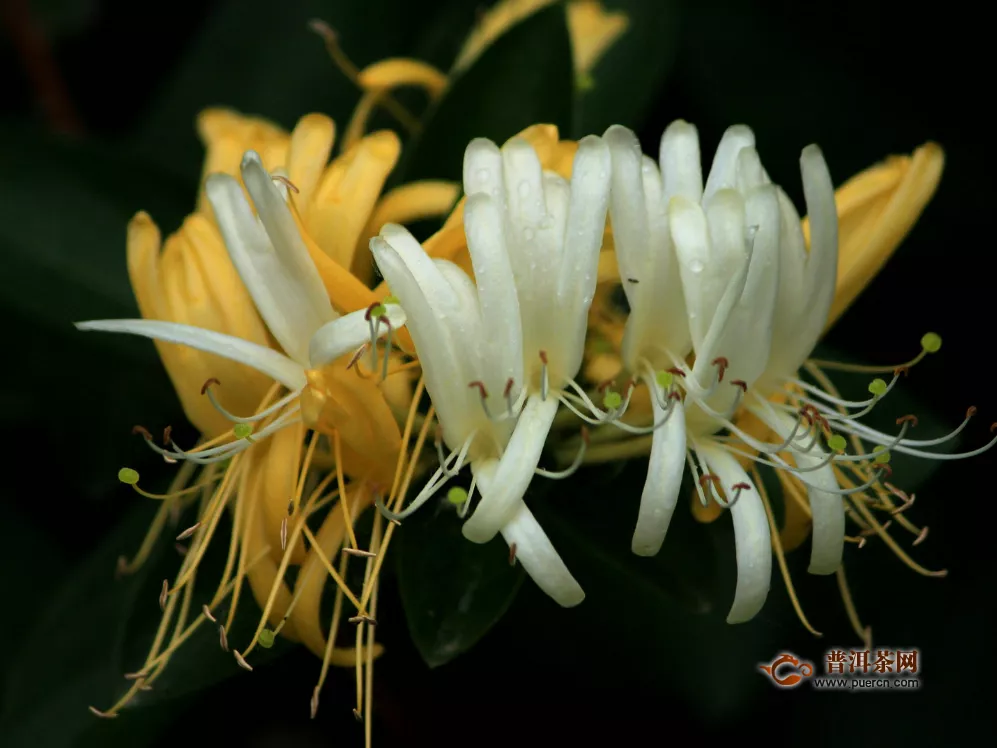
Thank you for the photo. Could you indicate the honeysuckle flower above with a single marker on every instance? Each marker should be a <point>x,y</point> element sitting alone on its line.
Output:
<point>499,354</point>
<point>259,280</point>
<point>757,293</point>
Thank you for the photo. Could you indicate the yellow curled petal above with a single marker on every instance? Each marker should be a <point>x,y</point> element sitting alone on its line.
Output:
<point>347,195</point>
<point>797,523</point>
<point>307,156</point>
<point>279,463</point>
<point>396,72</point>
<point>876,209</point>
<point>143,244</point>
<point>499,19</point>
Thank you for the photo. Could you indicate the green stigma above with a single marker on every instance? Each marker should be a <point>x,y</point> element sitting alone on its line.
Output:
<point>242,430</point>
<point>128,476</point>
<point>836,443</point>
<point>612,400</point>
<point>456,495</point>
<point>878,387</point>
<point>931,342</point>
<point>267,638</point>
<point>882,458</point>
<point>378,310</point>
<point>664,379</point>
<point>391,300</point>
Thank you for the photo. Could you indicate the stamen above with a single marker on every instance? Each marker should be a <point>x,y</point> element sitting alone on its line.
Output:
<point>573,468</point>
<point>722,365</point>
<point>207,613</point>
<point>544,376</point>
<point>286,182</point>
<point>484,397</point>
<point>512,554</point>
<point>189,531</point>
<point>507,393</point>
<point>863,632</point>
<point>265,413</point>
<point>930,343</point>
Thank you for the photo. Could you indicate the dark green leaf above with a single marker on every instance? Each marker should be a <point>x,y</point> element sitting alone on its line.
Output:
<point>622,86</point>
<point>261,58</point>
<point>453,591</point>
<point>524,78</point>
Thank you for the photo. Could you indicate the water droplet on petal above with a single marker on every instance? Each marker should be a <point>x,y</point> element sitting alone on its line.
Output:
<point>528,234</point>
<point>483,175</point>
<point>696,266</point>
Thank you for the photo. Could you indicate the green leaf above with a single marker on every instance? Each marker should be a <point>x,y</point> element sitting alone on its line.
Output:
<point>628,77</point>
<point>524,78</point>
<point>262,59</point>
<point>453,591</point>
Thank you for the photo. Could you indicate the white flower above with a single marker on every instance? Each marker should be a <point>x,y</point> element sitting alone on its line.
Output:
<point>497,357</point>
<point>732,254</point>
<point>273,262</point>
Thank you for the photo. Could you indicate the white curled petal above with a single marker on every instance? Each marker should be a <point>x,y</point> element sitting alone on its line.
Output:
<point>628,214</point>
<point>435,289</point>
<point>752,539</point>
<point>348,333</point>
<point>503,491</point>
<point>664,480</point>
<point>483,169</point>
<point>266,360</point>
<point>723,173</point>
<point>541,561</point>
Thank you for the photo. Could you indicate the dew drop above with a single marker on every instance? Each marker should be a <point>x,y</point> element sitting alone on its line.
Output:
<point>483,175</point>
<point>696,266</point>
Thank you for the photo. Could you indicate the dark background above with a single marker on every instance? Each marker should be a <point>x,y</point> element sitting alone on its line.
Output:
<point>97,112</point>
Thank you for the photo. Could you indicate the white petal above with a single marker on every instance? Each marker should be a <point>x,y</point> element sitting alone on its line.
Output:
<point>503,491</point>
<point>537,555</point>
<point>523,184</point>
<point>284,292</point>
<point>500,313</point>
<point>723,173</point>
<point>348,333</point>
<point>434,286</point>
<point>628,214</point>
<point>681,165</point>
<point>751,536</point>
<point>822,261</point>
<point>483,169</point>
<point>664,480</point>
<point>266,360</point>
<point>750,173</point>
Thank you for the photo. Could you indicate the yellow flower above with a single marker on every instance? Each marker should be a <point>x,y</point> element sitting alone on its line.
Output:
<point>256,286</point>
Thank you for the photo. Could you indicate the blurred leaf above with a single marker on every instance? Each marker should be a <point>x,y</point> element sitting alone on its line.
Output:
<point>627,78</point>
<point>524,78</point>
<point>63,17</point>
<point>262,59</point>
<point>453,591</point>
<point>64,209</point>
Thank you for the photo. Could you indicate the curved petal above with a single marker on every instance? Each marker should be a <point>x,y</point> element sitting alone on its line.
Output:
<point>502,491</point>
<point>751,535</point>
<point>541,561</point>
<point>266,360</point>
<point>664,480</point>
<point>348,333</point>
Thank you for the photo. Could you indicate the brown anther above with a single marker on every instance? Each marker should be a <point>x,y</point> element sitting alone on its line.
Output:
<point>901,370</point>
<point>241,660</point>
<point>162,595</point>
<point>676,371</point>
<point>208,614</point>
<point>585,435</point>
<point>970,412</point>
<point>189,531</point>
<point>121,568</point>
<point>136,675</point>
<point>921,536</point>
<point>993,426</point>
<point>370,310</point>
<point>359,552</point>
<point>167,434</point>
<point>742,486</point>
<point>543,357</point>
<point>290,507</point>
<point>632,280</point>
<point>223,638</point>
<point>363,619</point>
<point>508,388</point>
<point>512,554</point>
<point>383,319</point>
<point>708,478</point>
<point>204,387</point>
<point>721,363</point>
<point>862,542</point>
<point>886,469</point>
<point>481,388</point>
<point>631,384</point>
<point>180,548</point>
<point>145,687</point>
<point>603,386</point>
<point>283,534</point>
<point>104,715</point>
<point>357,716</point>
<point>357,355</point>
<point>674,395</point>
<point>912,420</point>
<point>740,383</point>
<point>285,181</point>
<point>143,431</point>
<point>395,522</point>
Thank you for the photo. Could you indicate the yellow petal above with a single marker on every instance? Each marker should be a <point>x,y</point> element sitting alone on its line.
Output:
<point>278,474</point>
<point>399,71</point>
<point>499,19</point>
<point>592,31</point>
<point>876,210</point>
<point>307,155</point>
